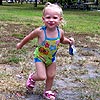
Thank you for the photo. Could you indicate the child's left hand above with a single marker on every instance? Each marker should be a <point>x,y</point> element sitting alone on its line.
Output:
<point>72,41</point>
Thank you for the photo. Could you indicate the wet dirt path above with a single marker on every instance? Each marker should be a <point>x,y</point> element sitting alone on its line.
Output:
<point>70,80</point>
<point>77,78</point>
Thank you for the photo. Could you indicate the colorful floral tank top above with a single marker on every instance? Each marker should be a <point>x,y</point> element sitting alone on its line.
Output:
<point>46,51</point>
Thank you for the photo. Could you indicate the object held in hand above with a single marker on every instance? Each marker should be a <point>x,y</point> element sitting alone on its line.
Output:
<point>72,49</point>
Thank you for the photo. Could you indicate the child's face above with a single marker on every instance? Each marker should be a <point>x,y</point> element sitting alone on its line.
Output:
<point>51,17</point>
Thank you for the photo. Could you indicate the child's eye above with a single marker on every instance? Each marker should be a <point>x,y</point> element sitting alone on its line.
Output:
<point>55,17</point>
<point>48,17</point>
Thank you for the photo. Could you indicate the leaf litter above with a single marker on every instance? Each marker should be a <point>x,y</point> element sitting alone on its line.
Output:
<point>77,77</point>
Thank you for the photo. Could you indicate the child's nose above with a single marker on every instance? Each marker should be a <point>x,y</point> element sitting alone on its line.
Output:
<point>51,19</point>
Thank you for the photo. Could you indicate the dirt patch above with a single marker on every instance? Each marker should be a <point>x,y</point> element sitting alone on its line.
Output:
<point>74,74</point>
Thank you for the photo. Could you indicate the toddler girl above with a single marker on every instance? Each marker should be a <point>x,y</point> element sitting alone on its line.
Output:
<point>49,37</point>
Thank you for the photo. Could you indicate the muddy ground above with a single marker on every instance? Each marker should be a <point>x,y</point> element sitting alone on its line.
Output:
<point>77,77</point>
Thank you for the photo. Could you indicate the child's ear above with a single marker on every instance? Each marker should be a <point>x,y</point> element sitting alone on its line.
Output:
<point>43,18</point>
<point>61,18</point>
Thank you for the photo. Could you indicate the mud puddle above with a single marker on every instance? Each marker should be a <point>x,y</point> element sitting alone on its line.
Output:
<point>70,84</point>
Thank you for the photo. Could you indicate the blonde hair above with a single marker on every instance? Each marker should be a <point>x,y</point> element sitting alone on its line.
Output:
<point>59,10</point>
<point>55,6</point>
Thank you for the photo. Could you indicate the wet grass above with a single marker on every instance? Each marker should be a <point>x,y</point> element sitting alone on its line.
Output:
<point>93,89</point>
<point>20,36</point>
<point>16,21</point>
<point>78,21</point>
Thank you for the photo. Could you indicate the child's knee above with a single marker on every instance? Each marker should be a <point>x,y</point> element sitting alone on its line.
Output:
<point>51,75</point>
<point>42,77</point>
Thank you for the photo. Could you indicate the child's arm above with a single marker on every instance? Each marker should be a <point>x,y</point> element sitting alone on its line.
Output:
<point>29,37</point>
<point>65,40</point>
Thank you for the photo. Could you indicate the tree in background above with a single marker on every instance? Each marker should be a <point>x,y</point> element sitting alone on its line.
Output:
<point>0,2</point>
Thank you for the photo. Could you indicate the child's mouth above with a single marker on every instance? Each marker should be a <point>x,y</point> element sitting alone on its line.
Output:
<point>51,23</point>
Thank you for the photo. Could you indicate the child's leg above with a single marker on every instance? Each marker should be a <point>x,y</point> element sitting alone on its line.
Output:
<point>51,70</point>
<point>39,75</point>
<point>40,72</point>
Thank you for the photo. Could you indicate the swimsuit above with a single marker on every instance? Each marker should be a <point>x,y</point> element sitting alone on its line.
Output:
<point>46,51</point>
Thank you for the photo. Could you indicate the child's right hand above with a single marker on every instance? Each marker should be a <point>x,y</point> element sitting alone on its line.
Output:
<point>18,46</point>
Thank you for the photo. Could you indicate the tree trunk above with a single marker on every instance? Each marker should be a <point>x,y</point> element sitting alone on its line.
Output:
<point>35,3</point>
<point>0,2</point>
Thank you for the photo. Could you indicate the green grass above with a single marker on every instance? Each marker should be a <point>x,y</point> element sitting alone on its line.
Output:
<point>83,21</point>
<point>14,59</point>
<point>78,21</point>
<point>93,89</point>
<point>21,13</point>
<point>18,20</point>
<point>20,36</point>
